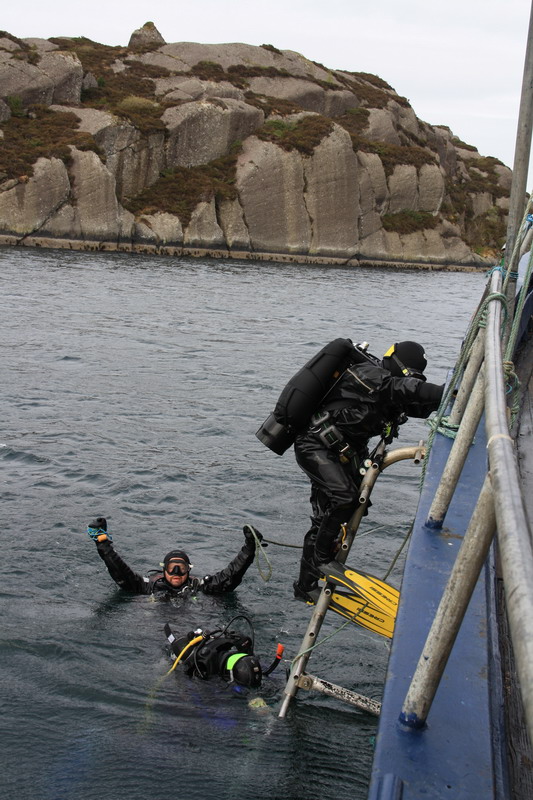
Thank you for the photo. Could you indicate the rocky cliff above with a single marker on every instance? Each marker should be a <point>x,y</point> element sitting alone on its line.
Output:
<point>232,149</point>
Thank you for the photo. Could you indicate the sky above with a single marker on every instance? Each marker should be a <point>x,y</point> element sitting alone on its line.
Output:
<point>459,63</point>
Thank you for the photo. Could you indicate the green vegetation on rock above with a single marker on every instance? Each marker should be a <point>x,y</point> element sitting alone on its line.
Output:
<point>487,229</point>
<point>354,120</point>
<point>487,232</point>
<point>179,191</point>
<point>371,90</point>
<point>42,134</point>
<point>115,86</point>
<point>409,221</point>
<point>272,49</point>
<point>392,155</point>
<point>96,58</point>
<point>303,135</point>
<point>271,105</point>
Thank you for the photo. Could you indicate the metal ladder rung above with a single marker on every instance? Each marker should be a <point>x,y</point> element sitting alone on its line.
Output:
<point>312,683</point>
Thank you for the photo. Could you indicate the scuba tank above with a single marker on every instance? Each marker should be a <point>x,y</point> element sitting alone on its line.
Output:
<point>208,654</point>
<point>307,389</point>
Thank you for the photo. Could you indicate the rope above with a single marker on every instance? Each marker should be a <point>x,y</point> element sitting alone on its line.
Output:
<point>444,426</point>
<point>505,272</point>
<point>283,544</point>
<point>436,422</point>
<point>260,551</point>
<point>325,639</point>
<point>300,546</point>
<point>396,557</point>
<point>511,344</point>
<point>524,227</point>
<point>513,388</point>
<point>513,384</point>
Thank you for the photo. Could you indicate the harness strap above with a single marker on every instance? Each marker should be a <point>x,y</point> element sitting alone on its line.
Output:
<point>330,435</point>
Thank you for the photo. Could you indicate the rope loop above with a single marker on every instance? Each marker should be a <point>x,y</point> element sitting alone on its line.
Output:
<point>506,274</point>
<point>260,553</point>
<point>443,426</point>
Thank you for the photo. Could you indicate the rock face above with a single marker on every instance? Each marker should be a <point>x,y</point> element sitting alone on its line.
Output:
<point>55,79</point>
<point>233,149</point>
<point>25,207</point>
<point>147,36</point>
<point>202,131</point>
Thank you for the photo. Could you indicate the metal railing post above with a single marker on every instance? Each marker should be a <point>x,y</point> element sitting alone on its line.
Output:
<point>469,378</point>
<point>514,534</point>
<point>457,457</point>
<point>451,611</point>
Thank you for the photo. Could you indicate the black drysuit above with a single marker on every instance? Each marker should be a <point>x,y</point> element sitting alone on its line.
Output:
<point>366,398</point>
<point>224,581</point>
<point>208,658</point>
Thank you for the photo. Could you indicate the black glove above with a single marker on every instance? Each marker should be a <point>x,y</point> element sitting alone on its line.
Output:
<point>97,530</point>
<point>249,531</point>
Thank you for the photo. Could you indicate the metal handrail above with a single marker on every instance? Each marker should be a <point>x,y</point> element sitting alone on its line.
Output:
<point>500,506</point>
<point>514,535</point>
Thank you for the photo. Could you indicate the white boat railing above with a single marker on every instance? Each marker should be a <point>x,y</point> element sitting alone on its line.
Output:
<point>499,507</point>
<point>514,535</point>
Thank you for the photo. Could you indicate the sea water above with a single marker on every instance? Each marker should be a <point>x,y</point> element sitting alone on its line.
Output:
<point>132,389</point>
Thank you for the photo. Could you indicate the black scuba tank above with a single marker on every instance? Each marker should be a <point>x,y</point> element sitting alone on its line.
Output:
<point>305,391</point>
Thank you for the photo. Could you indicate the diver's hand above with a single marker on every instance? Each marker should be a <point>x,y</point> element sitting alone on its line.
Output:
<point>97,530</point>
<point>249,532</point>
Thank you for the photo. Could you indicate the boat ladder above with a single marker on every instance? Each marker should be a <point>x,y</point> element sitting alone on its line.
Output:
<point>298,677</point>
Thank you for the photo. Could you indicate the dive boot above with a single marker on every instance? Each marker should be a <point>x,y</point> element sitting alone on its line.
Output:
<point>307,578</point>
<point>307,595</point>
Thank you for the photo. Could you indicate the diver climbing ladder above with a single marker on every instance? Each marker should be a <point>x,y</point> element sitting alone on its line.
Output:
<point>370,602</point>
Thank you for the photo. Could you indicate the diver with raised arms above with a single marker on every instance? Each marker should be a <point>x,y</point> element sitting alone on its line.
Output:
<point>174,578</point>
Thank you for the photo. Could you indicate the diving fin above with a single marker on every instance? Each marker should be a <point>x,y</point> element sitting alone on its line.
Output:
<point>381,595</point>
<point>359,611</point>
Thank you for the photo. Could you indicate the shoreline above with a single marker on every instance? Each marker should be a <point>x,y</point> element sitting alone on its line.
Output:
<point>237,255</point>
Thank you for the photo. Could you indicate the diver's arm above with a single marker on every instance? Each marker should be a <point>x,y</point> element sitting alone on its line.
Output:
<point>416,398</point>
<point>122,574</point>
<point>230,577</point>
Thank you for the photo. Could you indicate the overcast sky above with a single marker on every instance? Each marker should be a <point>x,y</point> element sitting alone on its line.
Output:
<point>459,63</point>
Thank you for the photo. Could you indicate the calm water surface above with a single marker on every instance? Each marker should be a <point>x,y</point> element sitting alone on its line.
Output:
<point>132,388</point>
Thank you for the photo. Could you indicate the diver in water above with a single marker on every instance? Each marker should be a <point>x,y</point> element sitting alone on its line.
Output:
<point>369,399</point>
<point>221,653</point>
<point>175,576</point>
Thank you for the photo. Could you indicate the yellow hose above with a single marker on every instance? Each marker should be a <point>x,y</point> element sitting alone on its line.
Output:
<point>187,647</point>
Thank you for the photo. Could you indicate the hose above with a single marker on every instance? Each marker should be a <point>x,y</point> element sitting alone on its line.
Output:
<point>187,647</point>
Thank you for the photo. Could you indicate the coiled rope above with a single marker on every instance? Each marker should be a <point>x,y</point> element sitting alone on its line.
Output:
<point>260,553</point>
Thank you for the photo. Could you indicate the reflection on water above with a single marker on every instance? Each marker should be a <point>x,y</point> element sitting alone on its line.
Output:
<point>133,387</point>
